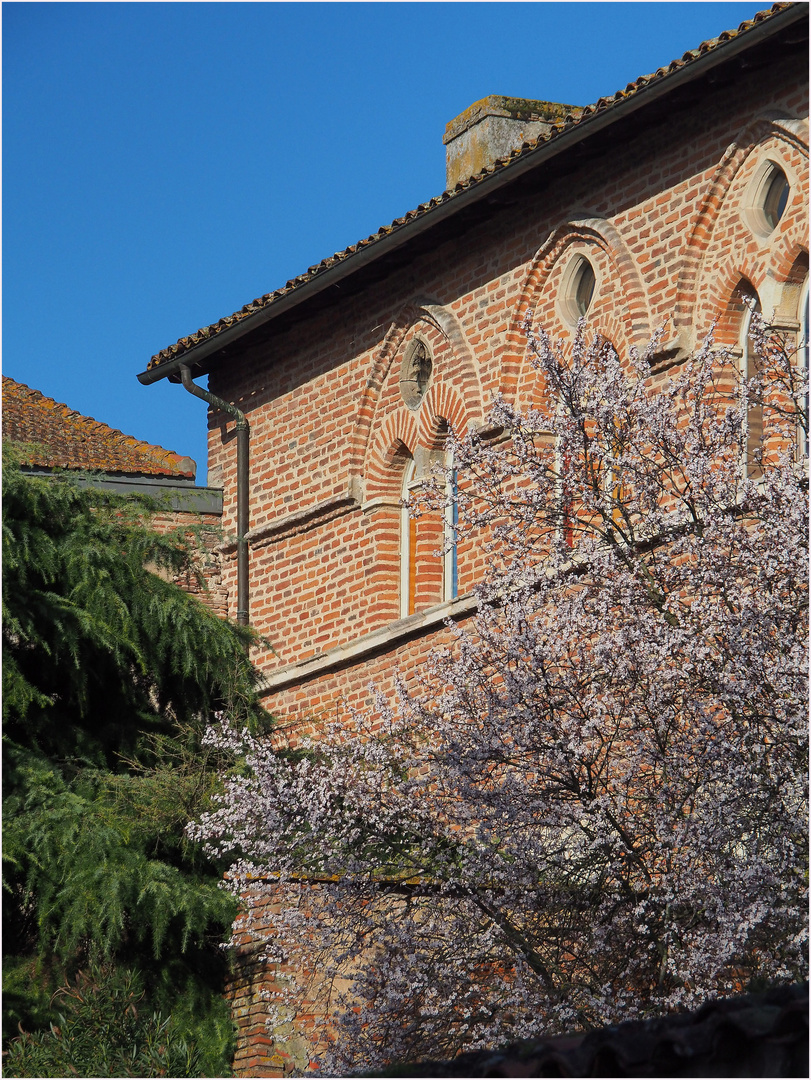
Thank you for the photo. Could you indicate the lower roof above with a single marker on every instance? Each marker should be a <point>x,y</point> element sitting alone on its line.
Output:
<point>57,437</point>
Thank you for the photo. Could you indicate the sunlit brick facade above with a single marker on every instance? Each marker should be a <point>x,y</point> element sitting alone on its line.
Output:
<point>670,192</point>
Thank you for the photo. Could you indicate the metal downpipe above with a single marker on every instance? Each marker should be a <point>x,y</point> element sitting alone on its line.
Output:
<point>242,431</point>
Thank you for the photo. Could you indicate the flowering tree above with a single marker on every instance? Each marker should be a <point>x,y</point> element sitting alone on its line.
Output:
<point>593,806</point>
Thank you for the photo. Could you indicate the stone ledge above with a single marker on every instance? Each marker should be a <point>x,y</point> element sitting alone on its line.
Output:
<point>362,648</point>
<point>310,516</point>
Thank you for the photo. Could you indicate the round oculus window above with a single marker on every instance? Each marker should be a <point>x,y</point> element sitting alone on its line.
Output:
<point>768,203</point>
<point>775,196</point>
<point>578,290</point>
<point>415,372</point>
<point>584,287</point>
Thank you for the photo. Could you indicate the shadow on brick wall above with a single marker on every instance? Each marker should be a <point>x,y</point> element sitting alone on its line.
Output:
<point>757,1035</point>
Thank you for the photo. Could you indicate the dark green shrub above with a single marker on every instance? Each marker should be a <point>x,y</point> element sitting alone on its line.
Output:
<point>103,1028</point>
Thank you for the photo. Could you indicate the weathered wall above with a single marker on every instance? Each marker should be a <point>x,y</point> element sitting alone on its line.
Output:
<point>204,532</point>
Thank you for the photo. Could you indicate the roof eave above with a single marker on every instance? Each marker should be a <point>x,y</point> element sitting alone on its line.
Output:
<point>484,188</point>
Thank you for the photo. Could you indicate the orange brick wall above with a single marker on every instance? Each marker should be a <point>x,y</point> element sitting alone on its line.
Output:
<point>664,231</point>
<point>663,220</point>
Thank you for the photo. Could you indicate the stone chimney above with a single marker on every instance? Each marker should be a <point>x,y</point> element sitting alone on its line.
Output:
<point>489,129</point>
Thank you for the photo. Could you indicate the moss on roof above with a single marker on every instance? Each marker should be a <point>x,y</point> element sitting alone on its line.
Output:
<point>57,437</point>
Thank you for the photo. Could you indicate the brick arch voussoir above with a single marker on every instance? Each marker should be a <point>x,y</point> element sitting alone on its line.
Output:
<point>395,439</point>
<point>465,368</point>
<point>730,307</point>
<point>452,354</point>
<point>515,350</point>
<point>798,269</point>
<point>794,273</point>
<point>381,363</point>
<point>635,326</point>
<point>442,406</point>
<point>688,286</point>
<point>722,286</point>
<point>719,281</point>
<point>612,329</point>
<point>790,249</point>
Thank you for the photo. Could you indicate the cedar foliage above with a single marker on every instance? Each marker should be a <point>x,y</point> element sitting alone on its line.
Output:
<point>110,674</point>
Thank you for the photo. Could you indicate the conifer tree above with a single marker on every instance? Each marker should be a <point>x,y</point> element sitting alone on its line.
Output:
<point>110,674</point>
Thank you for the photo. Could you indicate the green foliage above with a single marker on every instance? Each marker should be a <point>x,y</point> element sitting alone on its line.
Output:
<point>103,1029</point>
<point>110,674</point>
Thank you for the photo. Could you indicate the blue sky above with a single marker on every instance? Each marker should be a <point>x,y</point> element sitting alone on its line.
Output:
<point>164,164</point>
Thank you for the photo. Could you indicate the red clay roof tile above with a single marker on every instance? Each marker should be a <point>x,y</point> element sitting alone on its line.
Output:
<point>60,438</point>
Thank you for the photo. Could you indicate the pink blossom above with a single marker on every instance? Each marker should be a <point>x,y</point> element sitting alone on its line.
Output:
<point>594,806</point>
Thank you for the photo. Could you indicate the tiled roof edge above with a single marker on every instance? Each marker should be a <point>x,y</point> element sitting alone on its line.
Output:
<point>185,344</point>
<point>164,462</point>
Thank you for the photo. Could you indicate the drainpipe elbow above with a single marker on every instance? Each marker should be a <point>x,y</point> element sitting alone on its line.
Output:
<point>242,484</point>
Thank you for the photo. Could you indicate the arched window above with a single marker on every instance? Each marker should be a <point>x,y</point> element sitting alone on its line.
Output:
<point>450,569</point>
<point>438,580</point>
<point>408,546</point>
<point>753,454</point>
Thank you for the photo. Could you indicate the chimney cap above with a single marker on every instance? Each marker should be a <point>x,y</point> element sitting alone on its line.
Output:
<point>513,108</point>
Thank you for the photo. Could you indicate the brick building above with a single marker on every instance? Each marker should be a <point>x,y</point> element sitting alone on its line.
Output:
<point>676,203</point>
<point>53,437</point>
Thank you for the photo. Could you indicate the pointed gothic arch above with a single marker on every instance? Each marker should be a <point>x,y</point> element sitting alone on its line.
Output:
<point>710,267</point>
<point>615,267</point>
